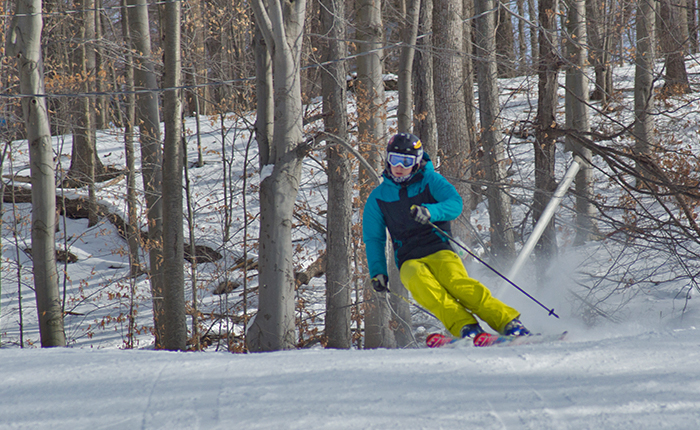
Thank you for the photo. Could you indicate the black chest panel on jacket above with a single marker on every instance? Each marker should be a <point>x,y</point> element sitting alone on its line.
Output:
<point>412,239</point>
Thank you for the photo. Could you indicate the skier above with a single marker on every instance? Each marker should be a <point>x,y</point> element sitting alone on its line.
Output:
<point>411,195</point>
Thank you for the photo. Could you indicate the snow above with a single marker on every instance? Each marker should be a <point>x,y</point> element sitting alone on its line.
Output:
<point>631,364</point>
<point>266,171</point>
<point>648,380</point>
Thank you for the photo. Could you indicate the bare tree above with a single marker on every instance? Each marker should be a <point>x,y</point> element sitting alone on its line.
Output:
<point>468,79</point>
<point>598,22</point>
<point>644,79</point>
<point>409,35</point>
<point>101,70</point>
<point>452,129</point>
<point>339,217</point>
<point>505,41</point>
<point>151,154</point>
<point>693,25</point>
<point>424,123</point>
<point>83,160</point>
<point>576,106</point>
<point>196,59</point>
<point>133,230</point>
<point>281,24</point>
<point>521,59</point>
<point>502,239</point>
<point>174,319</point>
<point>545,142</point>
<point>534,45</point>
<point>372,137</point>
<point>264,121</point>
<point>24,43</point>
<point>673,36</point>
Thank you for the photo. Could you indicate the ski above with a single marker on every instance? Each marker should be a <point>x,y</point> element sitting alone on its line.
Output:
<point>437,340</point>
<point>487,339</point>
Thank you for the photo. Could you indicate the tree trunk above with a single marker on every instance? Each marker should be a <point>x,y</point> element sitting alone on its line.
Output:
<point>644,78</point>
<point>522,44</point>
<point>409,35</point>
<point>693,26</point>
<point>534,46</point>
<point>133,229</point>
<point>450,113</point>
<point>372,137</point>
<point>545,143</point>
<point>576,106</point>
<point>151,154</point>
<point>674,43</point>
<point>24,43</point>
<point>495,159</point>
<point>273,328</point>
<point>401,316</point>
<point>505,42</point>
<point>468,79</point>
<point>101,102</point>
<point>424,125</point>
<point>339,217</point>
<point>83,160</point>
<point>599,37</point>
<point>264,122</point>
<point>198,98</point>
<point>175,321</point>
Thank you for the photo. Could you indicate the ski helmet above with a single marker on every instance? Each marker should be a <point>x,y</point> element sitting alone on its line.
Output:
<point>402,145</point>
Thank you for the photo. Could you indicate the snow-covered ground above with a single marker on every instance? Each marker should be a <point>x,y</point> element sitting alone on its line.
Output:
<point>648,380</point>
<point>630,360</point>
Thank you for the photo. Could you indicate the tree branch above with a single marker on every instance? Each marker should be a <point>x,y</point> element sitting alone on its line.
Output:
<point>262,20</point>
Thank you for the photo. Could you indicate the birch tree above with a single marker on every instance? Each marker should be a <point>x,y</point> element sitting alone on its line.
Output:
<point>281,23</point>
<point>24,43</point>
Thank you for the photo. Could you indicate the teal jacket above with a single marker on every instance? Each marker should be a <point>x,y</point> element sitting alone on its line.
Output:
<point>389,206</point>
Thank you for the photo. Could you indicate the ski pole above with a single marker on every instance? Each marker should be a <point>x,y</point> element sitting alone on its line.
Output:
<point>448,236</point>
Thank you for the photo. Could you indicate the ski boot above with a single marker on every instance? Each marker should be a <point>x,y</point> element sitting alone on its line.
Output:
<point>516,328</point>
<point>471,330</point>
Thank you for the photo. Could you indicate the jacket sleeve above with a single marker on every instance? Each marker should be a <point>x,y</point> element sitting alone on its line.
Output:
<point>449,202</point>
<point>374,237</point>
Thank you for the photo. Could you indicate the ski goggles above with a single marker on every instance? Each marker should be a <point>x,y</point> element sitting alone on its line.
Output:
<point>406,160</point>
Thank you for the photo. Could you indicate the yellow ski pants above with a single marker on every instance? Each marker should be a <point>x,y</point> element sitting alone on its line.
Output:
<point>440,283</point>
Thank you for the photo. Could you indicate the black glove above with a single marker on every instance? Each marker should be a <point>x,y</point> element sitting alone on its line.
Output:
<point>420,213</point>
<point>380,282</point>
